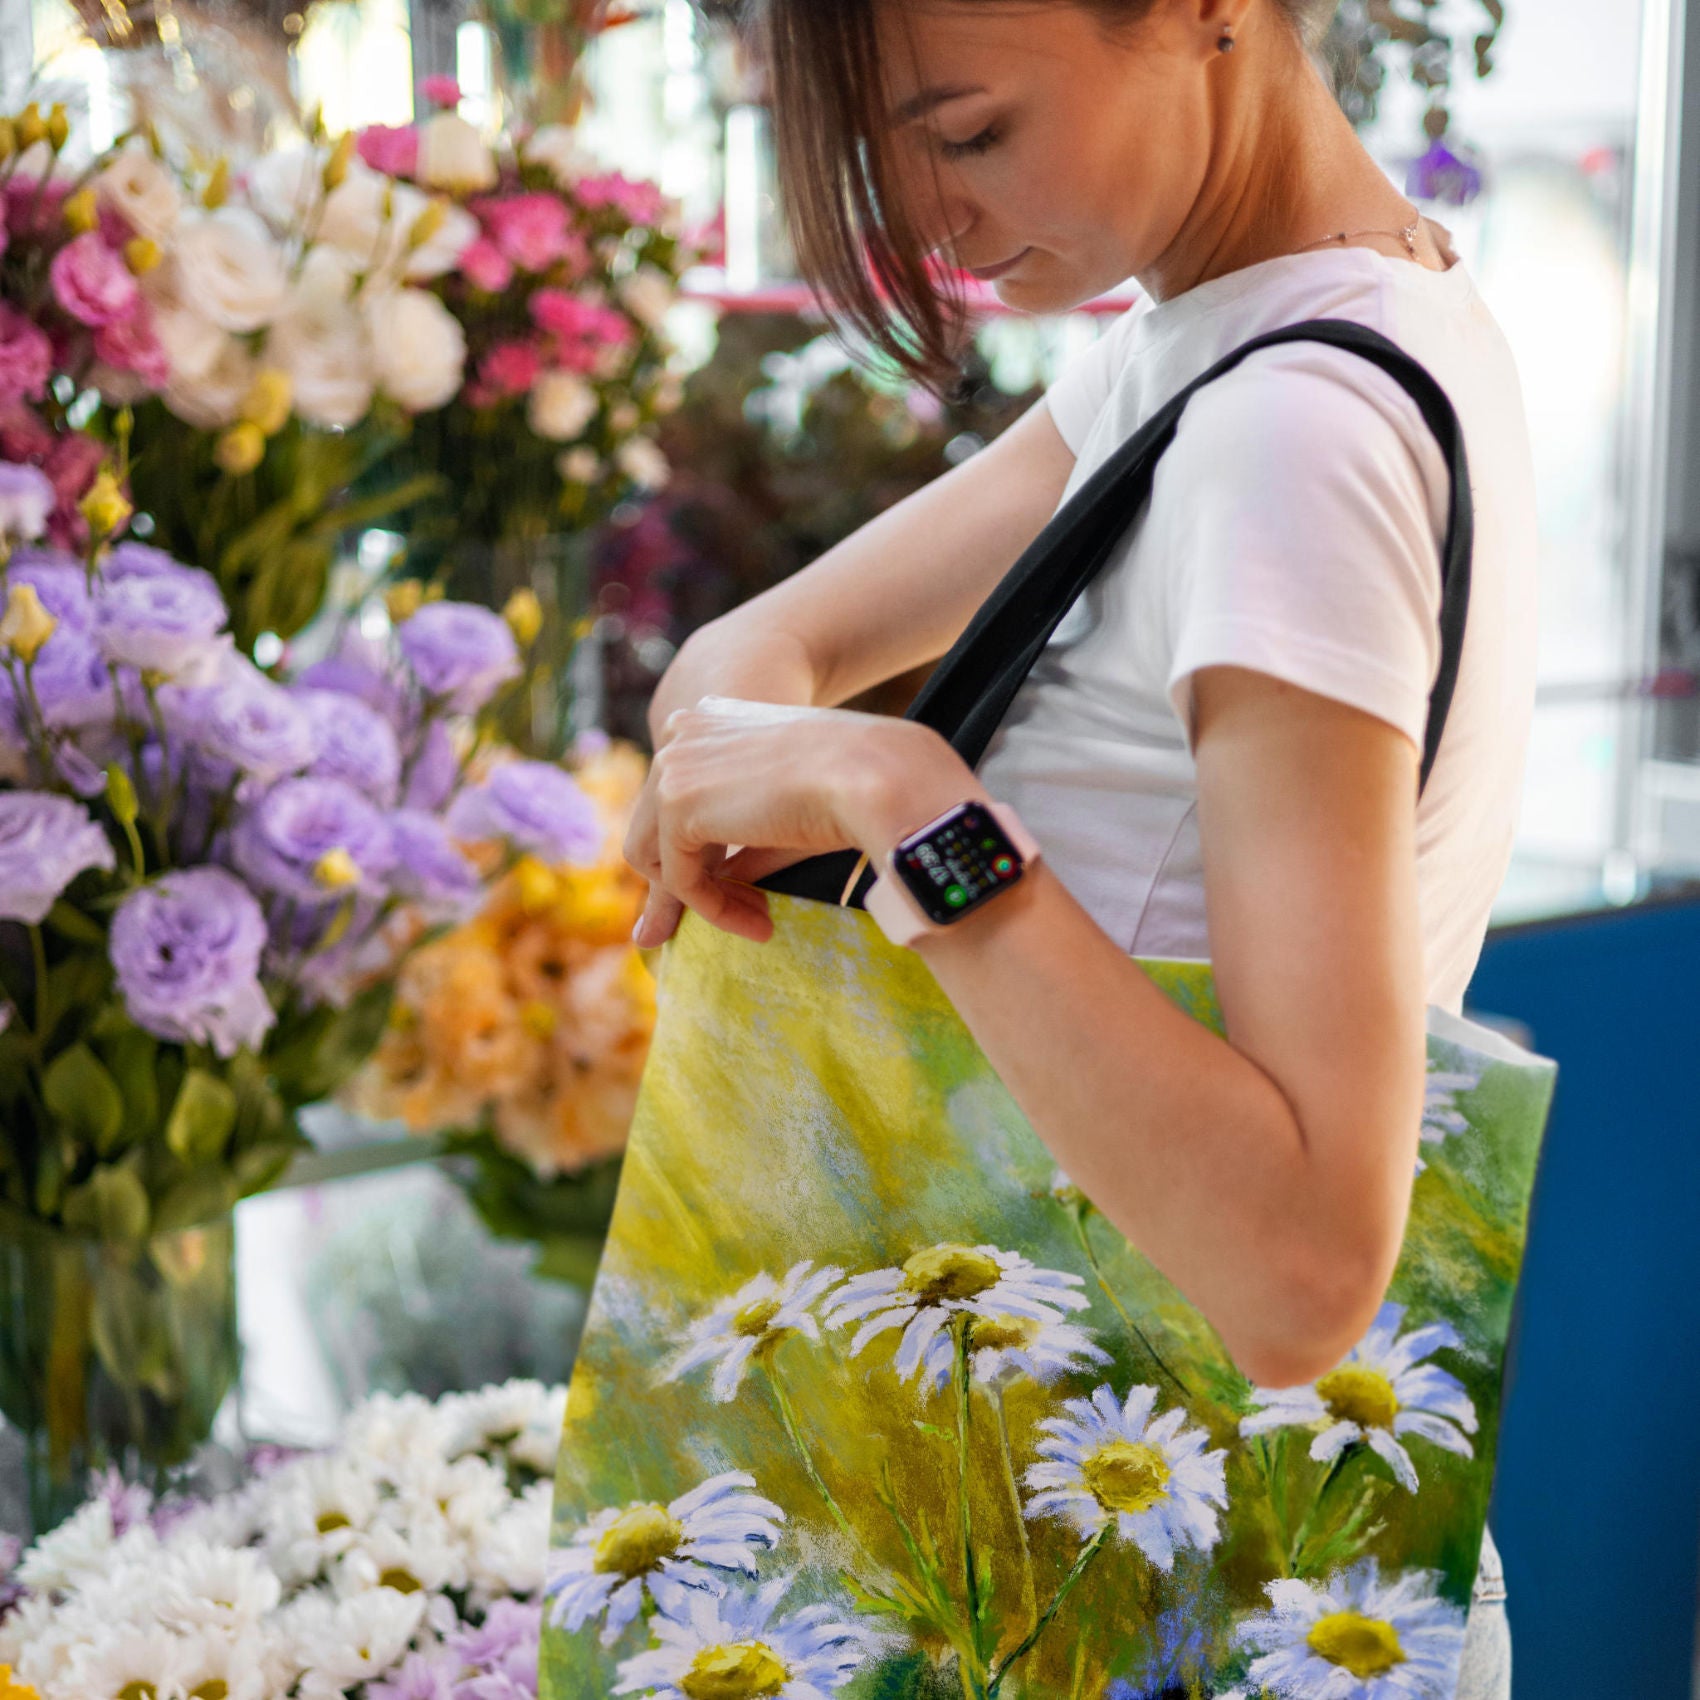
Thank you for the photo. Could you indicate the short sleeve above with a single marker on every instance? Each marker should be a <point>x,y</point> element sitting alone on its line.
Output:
<point>1077,394</point>
<point>1300,515</point>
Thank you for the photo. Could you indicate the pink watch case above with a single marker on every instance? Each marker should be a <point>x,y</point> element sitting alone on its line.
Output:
<point>889,901</point>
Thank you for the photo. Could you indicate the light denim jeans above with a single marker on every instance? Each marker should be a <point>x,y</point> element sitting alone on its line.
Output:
<point>1485,1673</point>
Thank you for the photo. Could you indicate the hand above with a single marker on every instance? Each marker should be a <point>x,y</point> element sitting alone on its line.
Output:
<point>741,788</point>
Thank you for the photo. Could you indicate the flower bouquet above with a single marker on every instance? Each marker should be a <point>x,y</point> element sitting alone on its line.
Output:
<point>403,1563</point>
<point>207,877</point>
<point>521,1037</point>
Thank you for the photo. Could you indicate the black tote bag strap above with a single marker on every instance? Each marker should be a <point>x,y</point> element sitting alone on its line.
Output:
<point>968,693</point>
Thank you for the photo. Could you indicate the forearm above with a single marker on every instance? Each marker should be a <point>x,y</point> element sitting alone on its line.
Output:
<point>1184,1143</point>
<point>728,657</point>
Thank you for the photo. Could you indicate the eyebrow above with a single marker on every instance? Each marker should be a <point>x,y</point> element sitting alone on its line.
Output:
<point>918,106</point>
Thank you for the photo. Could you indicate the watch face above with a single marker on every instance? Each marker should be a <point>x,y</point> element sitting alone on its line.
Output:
<point>958,863</point>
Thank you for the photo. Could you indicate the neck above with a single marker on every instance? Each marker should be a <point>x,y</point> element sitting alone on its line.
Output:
<point>1285,170</point>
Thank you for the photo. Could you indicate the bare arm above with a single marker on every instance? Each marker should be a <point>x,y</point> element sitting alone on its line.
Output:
<point>894,594</point>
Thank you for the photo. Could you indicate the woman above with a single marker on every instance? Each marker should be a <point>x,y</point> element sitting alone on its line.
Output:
<point>1218,748</point>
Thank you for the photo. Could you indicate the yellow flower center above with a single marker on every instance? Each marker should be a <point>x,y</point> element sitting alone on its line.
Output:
<point>754,1319</point>
<point>738,1670</point>
<point>949,1272</point>
<point>1357,1395</point>
<point>1127,1475</point>
<point>329,1520</point>
<point>638,1539</point>
<point>403,1581</point>
<point>214,1688</point>
<point>1366,1646</point>
<point>1001,1333</point>
<point>138,1690</point>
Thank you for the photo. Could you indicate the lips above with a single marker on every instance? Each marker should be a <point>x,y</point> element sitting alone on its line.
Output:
<point>987,274</point>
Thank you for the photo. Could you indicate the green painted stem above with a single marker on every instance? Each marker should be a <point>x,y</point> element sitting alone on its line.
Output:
<point>1087,1553</point>
<point>1030,1593</point>
<point>970,1580</point>
<point>789,1418</point>
<point>1079,1218</point>
<point>1298,1544</point>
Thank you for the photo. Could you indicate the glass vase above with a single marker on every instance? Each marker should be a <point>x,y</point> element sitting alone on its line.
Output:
<point>113,1353</point>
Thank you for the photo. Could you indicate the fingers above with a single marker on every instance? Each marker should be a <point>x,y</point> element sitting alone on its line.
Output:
<point>689,874</point>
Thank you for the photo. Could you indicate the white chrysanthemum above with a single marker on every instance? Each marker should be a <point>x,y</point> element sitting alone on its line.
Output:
<point>1151,1475</point>
<point>24,1633</point>
<point>458,1499</point>
<point>125,1662</point>
<point>1380,1393</point>
<point>1001,1348</point>
<point>510,1556</point>
<point>233,1668</point>
<point>338,1644</point>
<point>733,1648</point>
<point>84,1545</point>
<point>1357,1638</point>
<point>393,1428</point>
<point>509,1417</point>
<point>924,1293</point>
<point>1441,1115</point>
<point>670,1550</point>
<point>214,1587</point>
<point>414,1558</point>
<point>760,1314</point>
<point>318,1507</point>
<point>133,1588</point>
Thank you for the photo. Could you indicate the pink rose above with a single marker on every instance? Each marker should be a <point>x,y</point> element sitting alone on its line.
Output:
<point>636,202</point>
<point>92,283</point>
<point>534,231</point>
<point>31,208</point>
<point>441,91</point>
<point>483,264</point>
<point>392,149</point>
<point>23,434</point>
<point>71,464</point>
<point>131,346</point>
<point>574,321</point>
<point>510,368</point>
<point>26,357</point>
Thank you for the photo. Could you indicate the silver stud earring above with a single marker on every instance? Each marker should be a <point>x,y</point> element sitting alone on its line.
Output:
<point>1226,44</point>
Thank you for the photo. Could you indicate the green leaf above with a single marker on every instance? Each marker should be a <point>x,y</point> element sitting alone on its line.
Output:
<point>323,1049</point>
<point>201,1118</point>
<point>257,1167</point>
<point>80,982</point>
<point>73,924</point>
<point>84,1098</point>
<point>133,1058</point>
<point>111,1204</point>
<point>198,1197</point>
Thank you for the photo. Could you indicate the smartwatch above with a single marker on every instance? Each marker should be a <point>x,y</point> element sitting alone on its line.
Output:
<point>948,868</point>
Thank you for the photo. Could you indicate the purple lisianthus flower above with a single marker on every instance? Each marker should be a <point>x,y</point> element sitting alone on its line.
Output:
<point>420,1676</point>
<point>436,768</point>
<point>186,950</point>
<point>71,684</point>
<point>1440,175</point>
<point>45,841</point>
<point>242,719</point>
<point>460,653</point>
<point>160,621</point>
<point>282,840</point>
<point>430,867</point>
<point>59,580</point>
<point>509,1625</point>
<point>532,804</point>
<point>26,501</point>
<point>352,741</point>
<point>131,557</point>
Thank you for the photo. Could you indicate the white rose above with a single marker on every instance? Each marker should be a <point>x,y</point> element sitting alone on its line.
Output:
<point>452,154</point>
<point>557,148</point>
<point>561,405</point>
<point>418,348</point>
<point>208,396</point>
<point>442,248</point>
<point>327,274</point>
<point>284,186</point>
<point>643,463</point>
<point>580,466</point>
<point>646,295</point>
<point>139,187</point>
<point>624,416</point>
<point>321,343</point>
<point>191,343</point>
<point>611,360</point>
<point>358,219</point>
<point>230,268</point>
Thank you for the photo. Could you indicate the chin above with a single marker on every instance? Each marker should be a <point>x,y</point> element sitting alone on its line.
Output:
<point>1036,289</point>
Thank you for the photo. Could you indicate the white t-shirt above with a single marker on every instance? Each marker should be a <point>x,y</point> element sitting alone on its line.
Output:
<point>1295,526</point>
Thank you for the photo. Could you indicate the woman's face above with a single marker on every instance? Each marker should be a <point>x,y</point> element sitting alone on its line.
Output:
<point>1067,157</point>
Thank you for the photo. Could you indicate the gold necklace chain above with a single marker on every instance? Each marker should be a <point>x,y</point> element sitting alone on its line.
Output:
<point>1408,236</point>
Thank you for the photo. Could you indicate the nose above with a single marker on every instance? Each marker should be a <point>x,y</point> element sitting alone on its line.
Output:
<point>942,215</point>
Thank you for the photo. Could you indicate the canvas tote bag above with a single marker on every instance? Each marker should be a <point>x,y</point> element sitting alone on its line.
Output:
<point>871,1402</point>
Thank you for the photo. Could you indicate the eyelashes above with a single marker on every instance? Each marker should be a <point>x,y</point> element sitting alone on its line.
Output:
<point>987,139</point>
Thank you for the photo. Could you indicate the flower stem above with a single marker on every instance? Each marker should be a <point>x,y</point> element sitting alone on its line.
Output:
<point>38,951</point>
<point>970,1577</point>
<point>1298,1544</point>
<point>1029,1594</point>
<point>1087,1553</point>
<point>788,1417</point>
<point>1079,1218</point>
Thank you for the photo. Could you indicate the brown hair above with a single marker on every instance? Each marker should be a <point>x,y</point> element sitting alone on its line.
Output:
<point>853,238</point>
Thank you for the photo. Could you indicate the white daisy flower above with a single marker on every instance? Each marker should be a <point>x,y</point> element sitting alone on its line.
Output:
<point>411,1560</point>
<point>1380,1393</point>
<point>457,1500</point>
<point>760,1314</point>
<point>1003,1347</point>
<point>215,1588</point>
<point>924,1293</point>
<point>1152,1476</point>
<point>339,1644</point>
<point>509,1557</point>
<point>128,1663</point>
<point>84,1545</point>
<point>670,1550</point>
<point>318,1506</point>
<point>396,1430</point>
<point>1356,1638</point>
<point>1441,1115</point>
<point>232,1669</point>
<point>732,1648</point>
<point>494,1418</point>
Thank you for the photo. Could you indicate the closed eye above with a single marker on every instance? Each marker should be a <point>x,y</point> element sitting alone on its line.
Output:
<point>987,139</point>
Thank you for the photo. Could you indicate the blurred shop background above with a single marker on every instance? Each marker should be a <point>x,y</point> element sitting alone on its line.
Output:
<point>439,1230</point>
